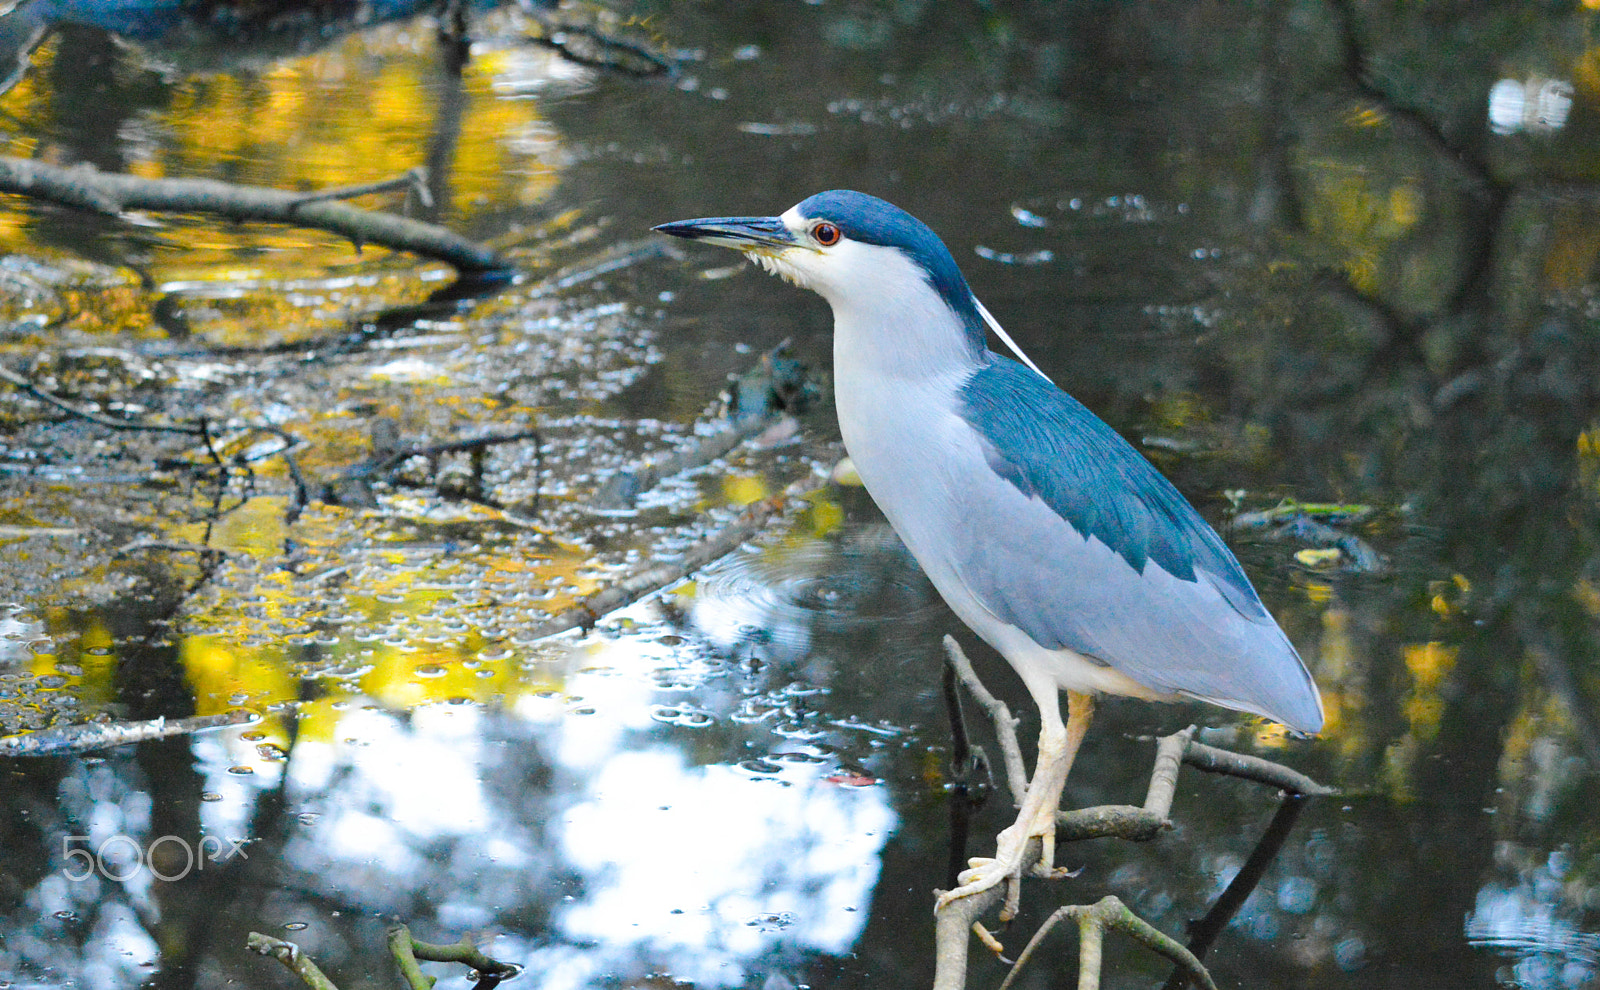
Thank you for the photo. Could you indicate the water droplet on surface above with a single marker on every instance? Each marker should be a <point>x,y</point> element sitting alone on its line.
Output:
<point>772,922</point>
<point>241,771</point>
<point>295,926</point>
<point>797,758</point>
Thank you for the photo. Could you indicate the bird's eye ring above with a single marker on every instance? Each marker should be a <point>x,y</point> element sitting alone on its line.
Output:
<point>826,234</point>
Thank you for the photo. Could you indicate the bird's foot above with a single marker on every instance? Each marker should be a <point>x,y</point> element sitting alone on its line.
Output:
<point>1036,819</point>
<point>1007,865</point>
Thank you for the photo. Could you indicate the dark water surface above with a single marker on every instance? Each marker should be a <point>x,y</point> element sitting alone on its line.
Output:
<point>1336,252</point>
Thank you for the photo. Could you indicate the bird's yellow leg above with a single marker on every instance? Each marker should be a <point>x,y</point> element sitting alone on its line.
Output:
<point>1058,745</point>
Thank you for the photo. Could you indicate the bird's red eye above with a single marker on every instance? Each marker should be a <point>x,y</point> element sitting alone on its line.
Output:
<point>826,234</point>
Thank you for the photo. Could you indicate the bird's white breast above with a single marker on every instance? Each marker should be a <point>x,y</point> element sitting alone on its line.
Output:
<point>898,376</point>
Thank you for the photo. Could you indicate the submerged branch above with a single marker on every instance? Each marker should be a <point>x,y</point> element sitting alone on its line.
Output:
<point>1317,524</point>
<point>102,735</point>
<point>353,486</point>
<point>114,193</point>
<point>405,949</point>
<point>755,402</point>
<point>1205,931</point>
<point>724,541</point>
<point>111,422</point>
<point>405,959</point>
<point>466,954</point>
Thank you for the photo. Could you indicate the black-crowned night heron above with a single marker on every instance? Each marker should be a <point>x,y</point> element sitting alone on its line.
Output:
<point>1047,534</point>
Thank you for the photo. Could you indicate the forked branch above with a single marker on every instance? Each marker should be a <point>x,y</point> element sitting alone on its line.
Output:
<point>958,919</point>
<point>1093,921</point>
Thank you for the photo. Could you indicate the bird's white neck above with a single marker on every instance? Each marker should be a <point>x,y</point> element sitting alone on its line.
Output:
<point>900,359</point>
<point>890,326</point>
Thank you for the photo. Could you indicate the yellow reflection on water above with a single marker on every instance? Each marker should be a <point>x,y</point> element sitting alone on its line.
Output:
<point>370,108</point>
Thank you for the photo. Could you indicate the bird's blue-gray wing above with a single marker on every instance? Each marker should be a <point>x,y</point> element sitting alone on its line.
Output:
<point>1089,548</point>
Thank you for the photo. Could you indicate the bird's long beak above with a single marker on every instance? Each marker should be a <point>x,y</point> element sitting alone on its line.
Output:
<point>752,235</point>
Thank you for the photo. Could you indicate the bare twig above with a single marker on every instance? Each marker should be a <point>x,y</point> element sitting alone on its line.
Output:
<point>1004,722</point>
<point>414,180</point>
<point>1110,821</point>
<point>1093,920</point>
<point>1170,751</point>
<point>960,747</point>
<point>602,49</point>
<point>971,780</point>
<point>1213,760</point>
<point>290,955</point>
<point>107,192</point>
<point>1122,821</point>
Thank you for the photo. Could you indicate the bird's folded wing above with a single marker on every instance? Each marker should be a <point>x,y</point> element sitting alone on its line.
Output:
<point>1090,549</point>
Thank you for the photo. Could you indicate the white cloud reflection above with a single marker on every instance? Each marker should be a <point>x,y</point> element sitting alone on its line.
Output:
<point>1537,105</point>
<point>647,860</point>
<point>710,865</point>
